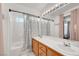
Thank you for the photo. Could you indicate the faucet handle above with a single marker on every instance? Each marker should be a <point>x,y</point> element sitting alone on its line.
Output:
<point>67,44</point>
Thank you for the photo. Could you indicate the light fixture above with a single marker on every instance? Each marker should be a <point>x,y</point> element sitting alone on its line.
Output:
<point>55,7</point>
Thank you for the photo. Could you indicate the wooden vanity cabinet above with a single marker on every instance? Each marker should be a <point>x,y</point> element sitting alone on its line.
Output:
<point>51,52</point>
<point>35,46</point>
<point>40,49</point>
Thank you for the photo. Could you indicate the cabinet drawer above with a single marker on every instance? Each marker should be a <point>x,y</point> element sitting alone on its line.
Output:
<point>42,47</point>
<point>51,52</point>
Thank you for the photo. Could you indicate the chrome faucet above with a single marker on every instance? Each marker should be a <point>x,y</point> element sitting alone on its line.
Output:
<point>67,44</point>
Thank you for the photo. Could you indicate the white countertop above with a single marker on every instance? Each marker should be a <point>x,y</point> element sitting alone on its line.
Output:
<point>58,45</point>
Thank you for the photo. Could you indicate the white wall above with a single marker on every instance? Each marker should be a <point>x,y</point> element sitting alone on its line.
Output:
<point>1,34</point>
<point>6,38</point>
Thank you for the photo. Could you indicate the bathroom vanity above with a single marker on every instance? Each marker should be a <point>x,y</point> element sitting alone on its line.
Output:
<point>40,49</point>
<point>51,46</point>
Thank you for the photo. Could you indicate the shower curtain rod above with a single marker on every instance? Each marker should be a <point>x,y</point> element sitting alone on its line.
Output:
<point>30,15</point>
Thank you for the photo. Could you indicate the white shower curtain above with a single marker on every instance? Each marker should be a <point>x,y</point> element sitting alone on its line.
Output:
<point>28,33</point>
<point>32,29</point>
<point>22,28</point>
<point>17,33</point>
<point>44,27</point>
<point>35,26</point>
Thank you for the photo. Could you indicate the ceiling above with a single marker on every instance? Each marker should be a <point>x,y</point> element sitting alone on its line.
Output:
<point>39,7</point>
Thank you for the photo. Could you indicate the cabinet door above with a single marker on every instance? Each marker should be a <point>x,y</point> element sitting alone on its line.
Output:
<point>42,50</point>
<point>35,47</point>
<point>42,47</point>
<point>51,52</point>
<point>41,53</point>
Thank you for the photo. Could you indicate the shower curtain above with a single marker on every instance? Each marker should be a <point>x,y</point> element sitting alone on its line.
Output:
<point>16,33</point>
<point>22,28</point>
<point>28,33</point>
<point>44,27</point>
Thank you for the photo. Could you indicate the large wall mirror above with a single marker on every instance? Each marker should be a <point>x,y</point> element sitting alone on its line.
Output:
<point>67,27</point>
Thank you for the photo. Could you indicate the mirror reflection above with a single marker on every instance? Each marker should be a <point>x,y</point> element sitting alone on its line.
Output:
<point>67,27</point>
